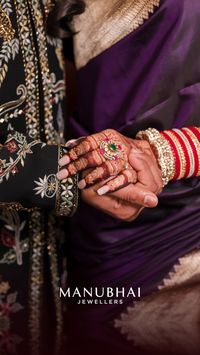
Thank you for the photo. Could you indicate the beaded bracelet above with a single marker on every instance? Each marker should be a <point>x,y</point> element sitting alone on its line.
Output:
<point>177,151</point>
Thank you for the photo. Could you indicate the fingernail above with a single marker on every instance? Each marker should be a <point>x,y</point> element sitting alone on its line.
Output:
<point>150,200</point>
<point>70,143</point>
<point>62,174</point>
<point>64,161</point>
<point>82,184</point>
<point>73,142</point>
<point>103,190</point>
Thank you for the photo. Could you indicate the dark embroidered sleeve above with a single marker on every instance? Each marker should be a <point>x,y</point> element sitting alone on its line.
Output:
<point>28,177</point>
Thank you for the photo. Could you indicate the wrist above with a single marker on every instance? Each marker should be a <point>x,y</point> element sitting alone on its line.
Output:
<point>162,152</point>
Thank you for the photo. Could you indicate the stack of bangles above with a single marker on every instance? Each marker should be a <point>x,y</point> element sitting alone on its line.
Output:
<point>177,151</point>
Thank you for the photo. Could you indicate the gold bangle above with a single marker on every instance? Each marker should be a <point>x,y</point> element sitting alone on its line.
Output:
<point>162,150</point>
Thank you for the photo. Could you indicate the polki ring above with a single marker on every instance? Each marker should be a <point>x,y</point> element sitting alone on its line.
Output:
<point>110,150</point>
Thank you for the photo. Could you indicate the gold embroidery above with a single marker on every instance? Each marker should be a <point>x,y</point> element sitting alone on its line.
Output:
<point>169,318</point>
<point>17,144</point>
<point>50,133</point>
<point>31,69</point>
<point>36,279</point>
<point>48,6</point>
<point>52,252</point>
<point>105,23</point>
<point>6,30</point>
<point>15,206</point>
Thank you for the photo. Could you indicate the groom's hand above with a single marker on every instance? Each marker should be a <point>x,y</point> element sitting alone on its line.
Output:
<point>127,203</point>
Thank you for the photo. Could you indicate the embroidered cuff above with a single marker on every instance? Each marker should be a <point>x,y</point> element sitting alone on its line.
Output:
<point>67,192</point>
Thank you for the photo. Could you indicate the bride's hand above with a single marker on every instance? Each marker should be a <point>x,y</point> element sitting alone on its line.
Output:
<point>107,152</point>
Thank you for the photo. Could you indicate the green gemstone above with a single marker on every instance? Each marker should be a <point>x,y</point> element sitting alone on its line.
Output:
<point>113,147</point>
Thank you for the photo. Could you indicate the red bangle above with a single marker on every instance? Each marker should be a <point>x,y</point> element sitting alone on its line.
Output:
<point>185,145</point>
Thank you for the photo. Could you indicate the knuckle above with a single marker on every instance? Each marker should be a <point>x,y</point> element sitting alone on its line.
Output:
<point>131,198</point>
<point>80,164</point>
<point>71,168</point>
<point>72,154</point>
<point>89,179</point>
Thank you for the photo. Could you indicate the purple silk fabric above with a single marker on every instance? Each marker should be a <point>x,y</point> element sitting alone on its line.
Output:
<point>150,78</point>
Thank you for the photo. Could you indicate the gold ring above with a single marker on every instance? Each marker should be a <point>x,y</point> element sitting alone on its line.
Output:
<point>110,150</point>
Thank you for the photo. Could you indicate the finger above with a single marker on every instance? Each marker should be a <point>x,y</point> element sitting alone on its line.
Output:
<point>89,160</point>
<point>156,172</point>
<point>115,207</point>
<point>133,194</point>
<point>127,176</point>
<point>81,148</point>
<point>148,176</point>
<point>109,139</point>
<point>107,169</point>
<point>85,146</point>
<point>151,160</point>
<point>73,142</point>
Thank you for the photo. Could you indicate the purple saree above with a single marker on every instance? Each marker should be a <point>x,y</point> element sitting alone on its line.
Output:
<point>150,78</point>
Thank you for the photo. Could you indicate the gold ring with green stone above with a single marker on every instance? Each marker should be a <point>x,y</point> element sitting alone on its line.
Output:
<point>110,149</point>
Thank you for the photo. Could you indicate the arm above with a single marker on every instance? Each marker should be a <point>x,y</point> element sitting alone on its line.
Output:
<point>28,176</point>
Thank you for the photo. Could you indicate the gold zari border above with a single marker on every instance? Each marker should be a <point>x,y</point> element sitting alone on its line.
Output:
<point>104,23</point>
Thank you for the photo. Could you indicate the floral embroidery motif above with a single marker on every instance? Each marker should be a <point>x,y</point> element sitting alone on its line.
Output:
<point>11,233</point>
<point>8,307</point>
<point>17,143</point>
<point>10,46</point>
<point>47,186</point>
<point>67,193</point>
<point>10,257</point>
